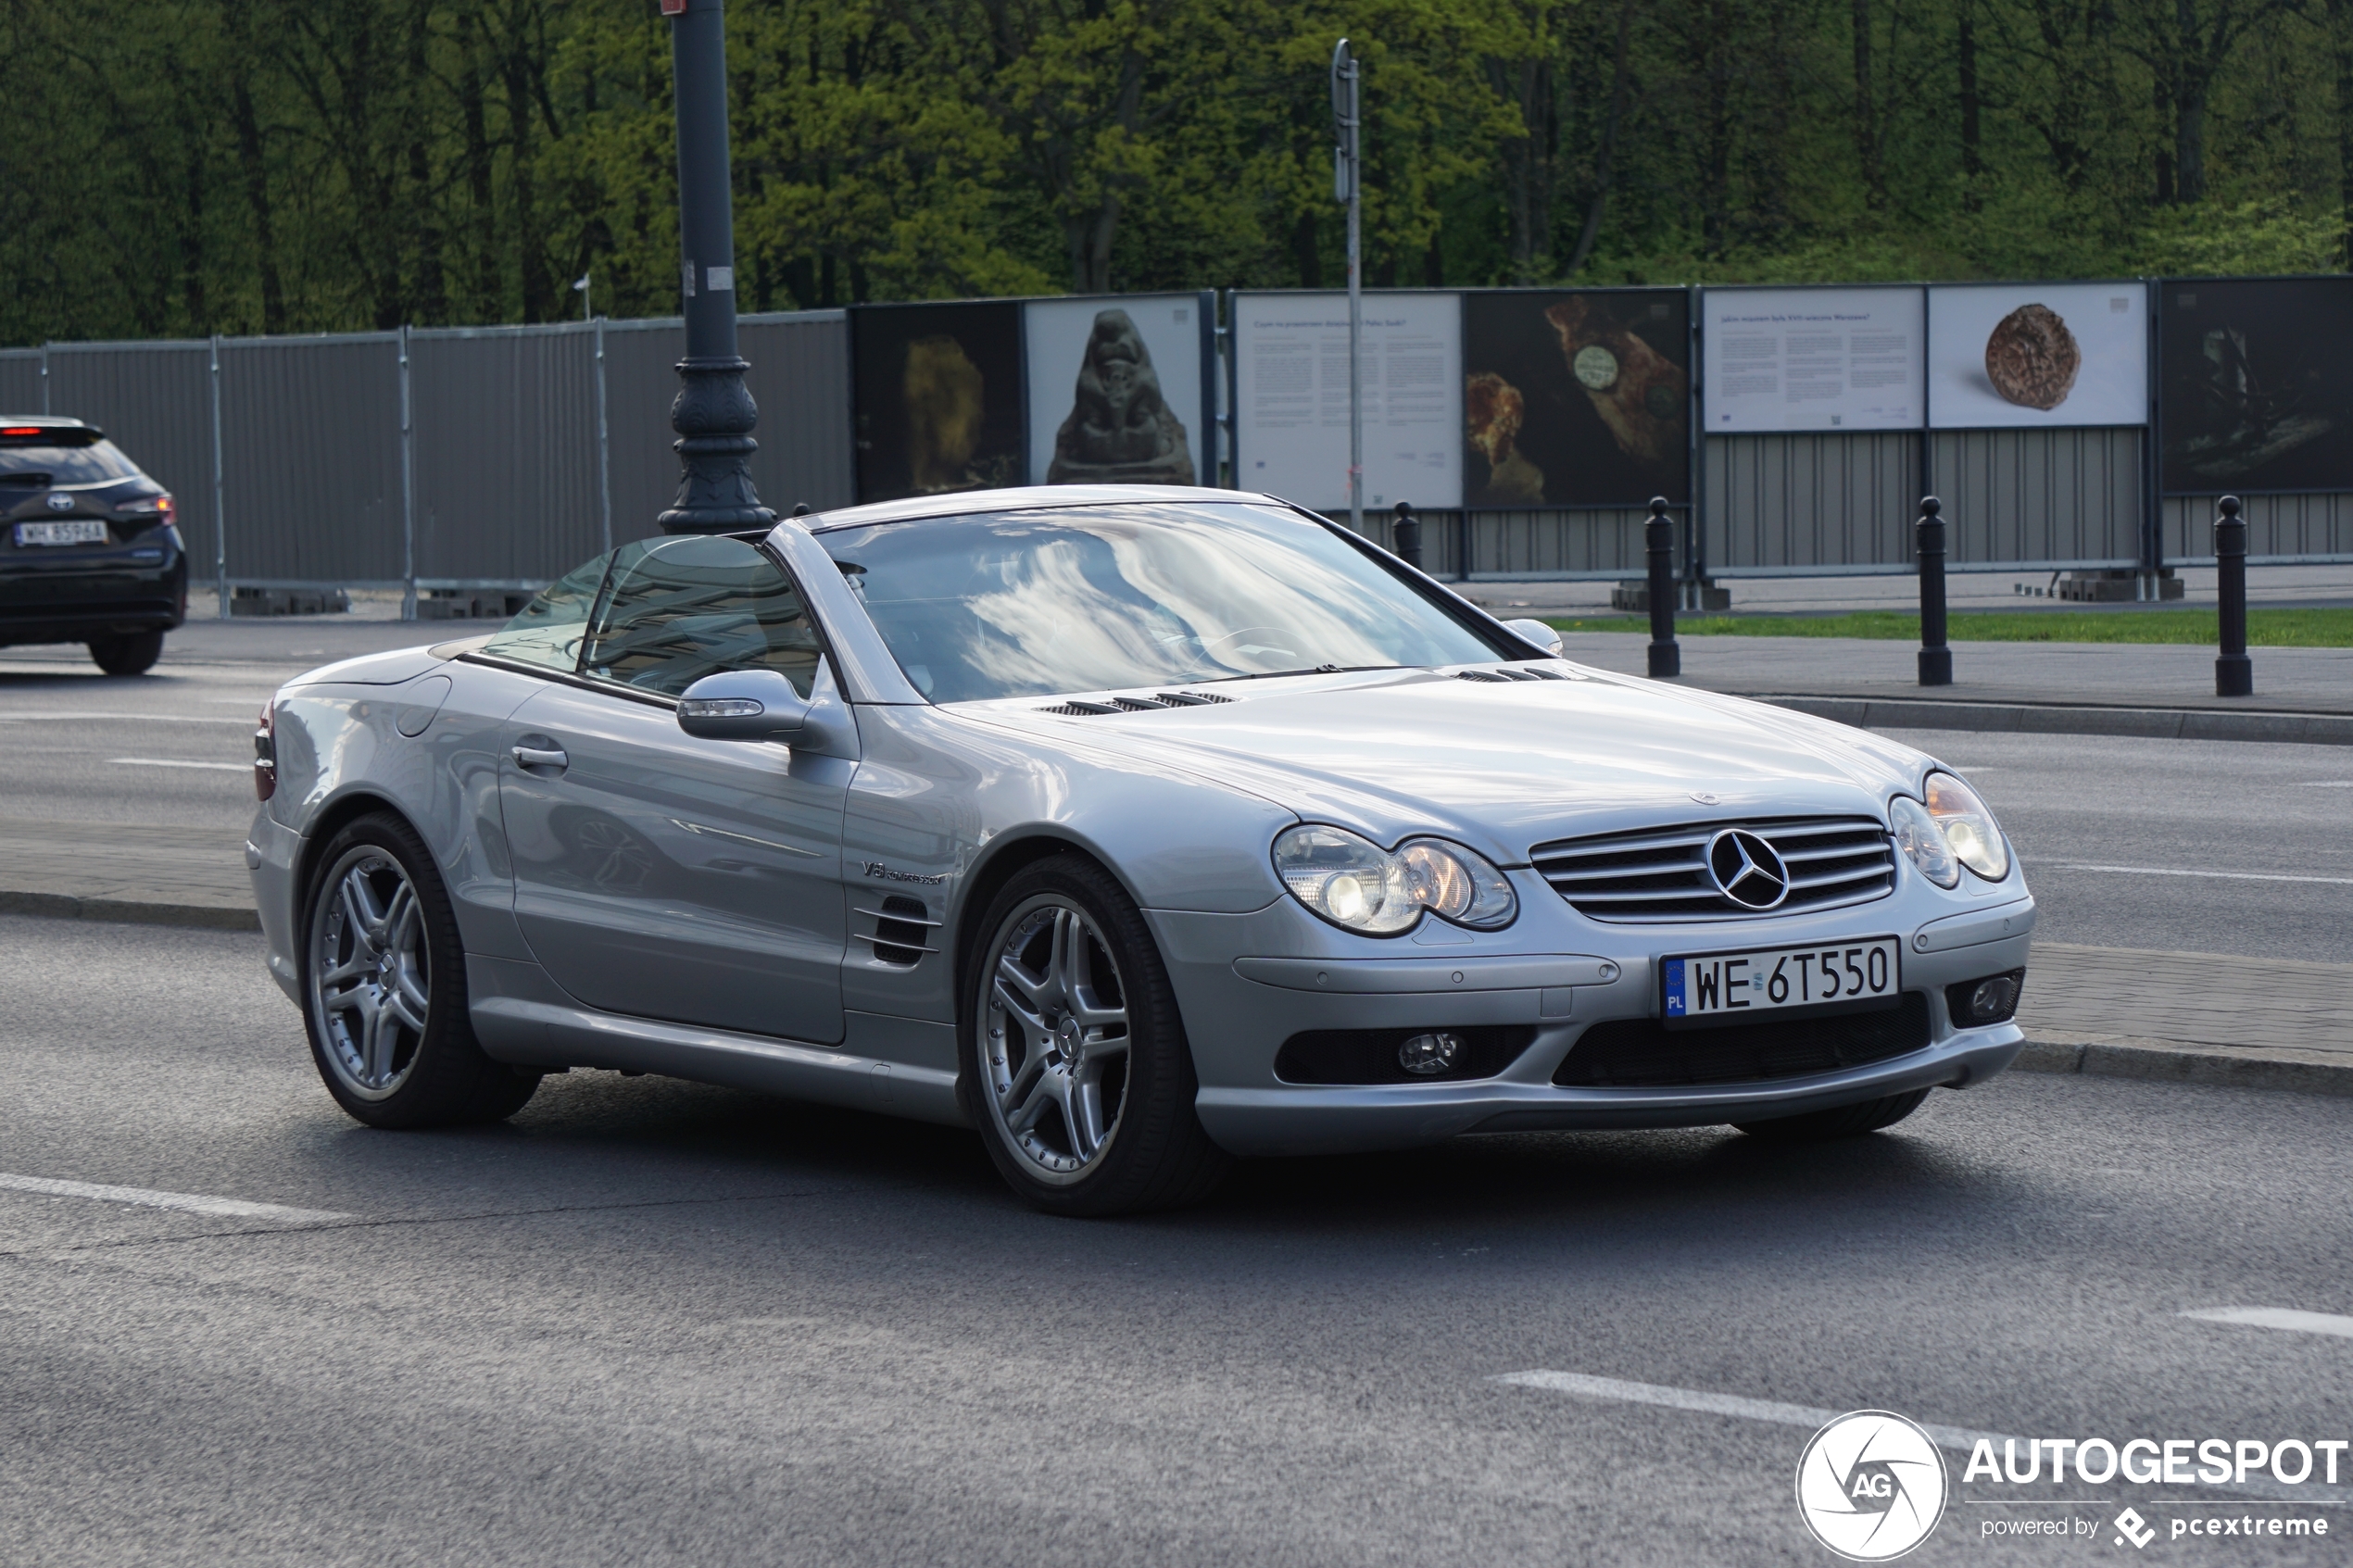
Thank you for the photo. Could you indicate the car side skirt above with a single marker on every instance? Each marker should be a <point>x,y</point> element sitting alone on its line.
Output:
<point>895,1066</point>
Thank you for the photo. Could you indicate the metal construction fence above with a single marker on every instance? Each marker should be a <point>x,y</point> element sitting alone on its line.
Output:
<point>425,459</point>
<point>498,458</point>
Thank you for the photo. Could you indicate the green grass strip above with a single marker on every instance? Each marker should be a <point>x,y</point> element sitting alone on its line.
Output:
<point>2265,628</point>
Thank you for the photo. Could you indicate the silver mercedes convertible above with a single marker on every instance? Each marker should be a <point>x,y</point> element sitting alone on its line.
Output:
<point>1139,828</point>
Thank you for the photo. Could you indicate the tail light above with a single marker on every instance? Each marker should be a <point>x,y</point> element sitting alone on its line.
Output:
<point>160,504</point>
<point>265,756</point>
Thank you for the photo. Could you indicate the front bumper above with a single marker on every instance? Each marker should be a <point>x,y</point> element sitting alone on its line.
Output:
<point>1239,1010</point>
<point>1305,1120</point>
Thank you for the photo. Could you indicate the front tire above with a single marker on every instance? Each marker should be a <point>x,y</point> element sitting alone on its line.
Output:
<point>384,991</point>
<point>132,654</point>
<point>1076,1064</point>
<point>1838,1121</point>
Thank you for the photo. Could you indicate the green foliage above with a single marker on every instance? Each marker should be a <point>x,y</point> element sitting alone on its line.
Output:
<point>184,167</point>
<point>2265,628</point>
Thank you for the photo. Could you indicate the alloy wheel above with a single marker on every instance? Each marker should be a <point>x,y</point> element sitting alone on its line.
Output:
<point>371,979</point>
<point>1055,1046</point>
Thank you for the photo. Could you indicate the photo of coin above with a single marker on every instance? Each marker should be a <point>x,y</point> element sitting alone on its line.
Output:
<point>1596,367</point>
<point>2032,358</point>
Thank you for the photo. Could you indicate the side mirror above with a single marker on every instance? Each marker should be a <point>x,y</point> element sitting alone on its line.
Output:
<point>1543,636</point>
<point>743,705</point>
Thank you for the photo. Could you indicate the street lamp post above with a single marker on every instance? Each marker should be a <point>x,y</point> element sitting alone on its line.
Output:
<point>713,413</point>
<point>1348,187</point>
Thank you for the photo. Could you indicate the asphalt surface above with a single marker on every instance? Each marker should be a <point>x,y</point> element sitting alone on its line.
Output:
<point>652,1323</point>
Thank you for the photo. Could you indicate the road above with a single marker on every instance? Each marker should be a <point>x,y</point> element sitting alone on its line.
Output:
<point>174,747</point>
<point>651,1322</point>
<point>654,1323</point>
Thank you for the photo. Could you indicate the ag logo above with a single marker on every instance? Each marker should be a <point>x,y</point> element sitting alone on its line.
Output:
<point>1870,1486</point>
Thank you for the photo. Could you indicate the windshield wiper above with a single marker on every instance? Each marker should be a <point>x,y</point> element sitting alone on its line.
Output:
<point>1316,669</point>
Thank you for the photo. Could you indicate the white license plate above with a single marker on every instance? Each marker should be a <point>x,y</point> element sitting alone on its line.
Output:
<point>88,530</point>
<point>1730,988</point>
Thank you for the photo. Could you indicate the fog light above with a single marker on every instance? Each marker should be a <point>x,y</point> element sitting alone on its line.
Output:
<point>1989,1000</point>
<point>1426,1055</point>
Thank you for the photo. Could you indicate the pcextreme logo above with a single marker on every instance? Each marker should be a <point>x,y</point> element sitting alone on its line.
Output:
<point>1870,1486</point>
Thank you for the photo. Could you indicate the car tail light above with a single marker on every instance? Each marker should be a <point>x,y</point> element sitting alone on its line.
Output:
<point>161,505</point>
<point>265,756</point>
<point>22,430</point>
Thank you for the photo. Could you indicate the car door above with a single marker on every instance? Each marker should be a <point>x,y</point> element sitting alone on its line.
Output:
<point>663,876</point>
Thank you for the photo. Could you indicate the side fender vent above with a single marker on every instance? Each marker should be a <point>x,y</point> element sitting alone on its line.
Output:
<point>902,931</point>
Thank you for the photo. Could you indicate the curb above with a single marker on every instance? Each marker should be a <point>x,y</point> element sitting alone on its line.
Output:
<point>66,906</point>
<point>2160,723</point>
<point>2166,1062</point>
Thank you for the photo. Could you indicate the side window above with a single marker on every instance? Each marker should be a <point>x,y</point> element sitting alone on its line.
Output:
<point>680,609</point>
<point>549,630</point>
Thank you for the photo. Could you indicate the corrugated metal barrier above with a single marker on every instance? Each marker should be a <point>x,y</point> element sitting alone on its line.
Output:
<point>456,458</point>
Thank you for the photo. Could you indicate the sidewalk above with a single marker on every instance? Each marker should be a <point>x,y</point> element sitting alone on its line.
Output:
<point>2160,689</point>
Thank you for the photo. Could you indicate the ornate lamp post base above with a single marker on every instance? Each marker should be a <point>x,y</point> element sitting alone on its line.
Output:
<point>714,415</point>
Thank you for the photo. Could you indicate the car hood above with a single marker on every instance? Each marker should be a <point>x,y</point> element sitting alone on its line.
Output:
<point>1500,766</point>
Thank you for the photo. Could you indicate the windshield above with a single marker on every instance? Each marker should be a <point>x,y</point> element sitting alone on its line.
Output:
<point>1099,598</point>
<point>93,464</point>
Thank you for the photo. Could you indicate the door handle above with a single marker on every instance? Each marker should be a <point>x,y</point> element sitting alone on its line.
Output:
<point>532,757</point>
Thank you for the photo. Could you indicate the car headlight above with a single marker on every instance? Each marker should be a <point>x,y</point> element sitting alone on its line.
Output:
<point>1354,883</point>
<point>1976,838</point>
<point>1922,841</point>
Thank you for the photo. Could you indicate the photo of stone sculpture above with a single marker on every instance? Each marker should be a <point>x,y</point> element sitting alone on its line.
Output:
<point>1120,429</point>
<point>2256,395</point>
<point>1576,399</point>
<point>935,400</point>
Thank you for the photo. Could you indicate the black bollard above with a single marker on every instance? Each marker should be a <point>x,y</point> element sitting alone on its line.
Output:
<point>1936,659</point>
<point>1409,535</point>
<point>1658,538</point>
<point>2234,672</point>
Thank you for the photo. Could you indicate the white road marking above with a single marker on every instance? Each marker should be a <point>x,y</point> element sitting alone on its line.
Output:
<point>1621,1392</point>
<point>2279,1317</point>
<point>187,1202</point>
<point>2328,783</point>
<point>170,762</point>
<point>85,717</point>
<point>2168,870</point>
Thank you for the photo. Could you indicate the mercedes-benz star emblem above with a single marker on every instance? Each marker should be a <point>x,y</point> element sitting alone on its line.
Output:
<point>1747,868</point>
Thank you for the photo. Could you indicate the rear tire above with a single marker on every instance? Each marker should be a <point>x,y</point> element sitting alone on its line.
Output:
<point>1838,1121</point>
<point>133,653</point>
<point>1076,1065</point>
<point>383,988</point>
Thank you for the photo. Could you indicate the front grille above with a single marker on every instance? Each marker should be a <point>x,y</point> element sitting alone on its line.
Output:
<point>1658,875</point>
<point>1641,1052</point>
